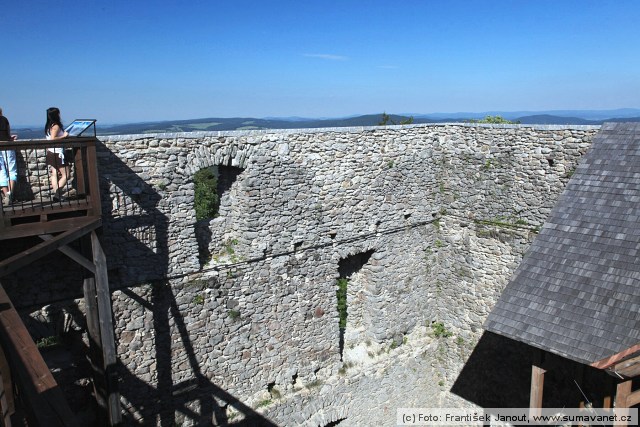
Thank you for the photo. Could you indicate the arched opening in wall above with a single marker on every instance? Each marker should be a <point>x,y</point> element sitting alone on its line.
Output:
<point>212,203</point>
<point>335,423</point>
<point>347,268</point>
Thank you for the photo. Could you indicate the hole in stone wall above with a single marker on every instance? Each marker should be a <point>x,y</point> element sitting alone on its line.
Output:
<point>294,379</point>
<point>353,263</point>
<point>297,245</point>
<point>346,268</point>
<point>227,175</point>
<point>407,216</point>
<point>273,391</point>
<point>206,203</point>
<point>335,423</point>
<point>550,161</point>
<point>212,199</point>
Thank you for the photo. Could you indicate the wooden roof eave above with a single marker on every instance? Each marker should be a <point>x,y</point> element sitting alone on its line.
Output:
<point>624,364</point>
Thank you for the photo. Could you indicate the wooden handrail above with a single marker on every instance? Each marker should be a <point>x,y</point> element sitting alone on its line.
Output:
<point>43,400</point>
<point>22,144</point>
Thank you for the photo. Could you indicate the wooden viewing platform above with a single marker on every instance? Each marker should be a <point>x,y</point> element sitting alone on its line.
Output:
<point>35,210</point>
<point>28,391</point>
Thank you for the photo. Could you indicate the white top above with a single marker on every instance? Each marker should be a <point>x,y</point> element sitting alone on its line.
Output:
<point>57,150</point>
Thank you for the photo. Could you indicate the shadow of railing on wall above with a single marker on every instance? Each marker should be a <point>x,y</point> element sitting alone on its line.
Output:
<point>139,209</point>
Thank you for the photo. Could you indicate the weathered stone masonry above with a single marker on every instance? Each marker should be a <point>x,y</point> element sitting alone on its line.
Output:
<point>446,212</point>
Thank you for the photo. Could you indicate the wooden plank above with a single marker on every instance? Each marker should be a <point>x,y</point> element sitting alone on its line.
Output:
<point>79,170</point>
<point>46,207</point>
<point>607,400</point>
<point>537,388</point>
<point>24,258</point>
<point>622,392</point>
<point>40,144</point>
<point>94,184</point>
<point>95,350</point>
<point>106,329</point>
<point>7,403</point>
<point>629,368</point>
<point>633,398</point>
<point>39,390</point>
<point>37,228</point>
<point>73,254</point>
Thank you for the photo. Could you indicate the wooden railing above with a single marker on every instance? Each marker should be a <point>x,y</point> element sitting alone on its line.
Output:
<point>35,208</point>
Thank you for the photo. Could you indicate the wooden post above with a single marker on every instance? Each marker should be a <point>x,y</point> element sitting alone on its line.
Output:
<point>607,400</point>
<point>79,170</point>
<point>94,184</point>
<point>106,330</point>
<point>537,385</point>
<point>623,390</point>
<point>6,391</point>
<point>95,346</point>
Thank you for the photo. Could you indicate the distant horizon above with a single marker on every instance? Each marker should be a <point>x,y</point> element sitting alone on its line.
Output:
<point>634,112</point>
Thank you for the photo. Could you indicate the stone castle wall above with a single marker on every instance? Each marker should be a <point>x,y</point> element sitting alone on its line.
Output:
<point>236,317</point>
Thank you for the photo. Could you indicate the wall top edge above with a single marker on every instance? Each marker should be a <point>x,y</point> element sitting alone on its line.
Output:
<point>351,129</point>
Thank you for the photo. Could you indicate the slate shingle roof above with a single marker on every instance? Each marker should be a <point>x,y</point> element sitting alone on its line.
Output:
<point>577,291</point>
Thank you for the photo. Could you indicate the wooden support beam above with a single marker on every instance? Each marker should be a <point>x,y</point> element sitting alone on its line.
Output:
<point>6,391</point>
<point>44,227</point>
<point>73,254</point>
<point>537,387</point>
<point>537,383</point>
<point>106,330</point>
<point>39,390</point>
<point>623,390</point>
<point>607,400</point>
<point>629,368</point>
<point>95,346</point>
<point>84,226</point>
<point>633,398</point>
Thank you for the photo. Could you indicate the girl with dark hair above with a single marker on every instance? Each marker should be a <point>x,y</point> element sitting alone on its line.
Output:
<point>57,158</point>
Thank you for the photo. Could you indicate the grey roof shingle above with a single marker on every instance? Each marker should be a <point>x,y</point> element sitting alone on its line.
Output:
<point>576,293</point>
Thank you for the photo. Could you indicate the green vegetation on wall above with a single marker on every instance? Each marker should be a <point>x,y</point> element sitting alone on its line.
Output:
<point>207,201</point>
<point>341,294</point>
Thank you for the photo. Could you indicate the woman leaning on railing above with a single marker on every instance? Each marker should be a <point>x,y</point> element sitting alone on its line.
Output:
<point>58,159</point>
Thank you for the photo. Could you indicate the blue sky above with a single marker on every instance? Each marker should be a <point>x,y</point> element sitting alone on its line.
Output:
<point>139,60</point>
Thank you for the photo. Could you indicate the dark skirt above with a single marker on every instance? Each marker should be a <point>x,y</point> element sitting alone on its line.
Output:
<point>57,160</point>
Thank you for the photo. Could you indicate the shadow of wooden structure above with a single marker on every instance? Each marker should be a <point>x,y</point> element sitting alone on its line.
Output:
<point>576,294</point>
<point>29,391</point>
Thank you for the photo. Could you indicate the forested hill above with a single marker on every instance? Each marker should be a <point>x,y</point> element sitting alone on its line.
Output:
<point>240,123</point>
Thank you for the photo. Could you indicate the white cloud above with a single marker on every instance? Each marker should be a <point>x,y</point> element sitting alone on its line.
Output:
<point>326,56</point>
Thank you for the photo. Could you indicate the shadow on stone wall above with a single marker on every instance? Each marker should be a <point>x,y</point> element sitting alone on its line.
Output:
<point>144,251</point>
<point>197,398</point>
<point>498,375</point>
<point>167,397</point>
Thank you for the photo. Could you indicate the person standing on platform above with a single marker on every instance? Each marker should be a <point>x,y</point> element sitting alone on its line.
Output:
<point>8,167</point>
<point>58,158</point>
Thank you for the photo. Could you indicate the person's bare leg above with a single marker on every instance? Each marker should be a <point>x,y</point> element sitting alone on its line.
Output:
<point>64,176</point>
<point>53,176</point>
